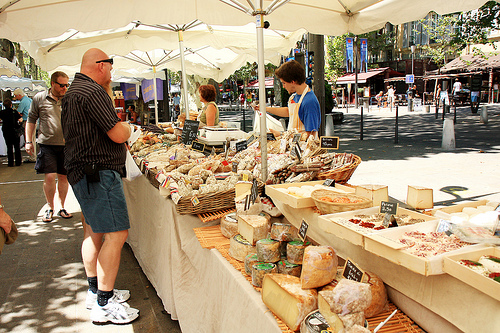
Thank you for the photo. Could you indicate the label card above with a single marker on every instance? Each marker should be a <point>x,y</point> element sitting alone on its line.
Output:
<point>271,137</point>
<point>189,131</point>
<point>198,146</point>
<point>296,137</point>
<point>303,230</point>
<point>242,145</point>
<point>235,167</point>
<point>297,151</point>
<point>388,207</point>
<point>329,182</point>
<point>253,191</point>
<point>250,139</point>
<point>329,142</point>
<point>195,201</point>
<point>352,272</point>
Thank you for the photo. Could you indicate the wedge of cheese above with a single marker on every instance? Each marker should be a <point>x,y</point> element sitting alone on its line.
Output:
<point>284,296</point>
<point>420,197</point>
<point>252,227</point>
<point>375,193</point>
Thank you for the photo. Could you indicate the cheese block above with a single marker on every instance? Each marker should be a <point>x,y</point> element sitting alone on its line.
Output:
<point>259,270</point>
<point>242,188</point>
<point>285,267</point>
<point>295,251</point>
<point>268,250</point>
<point>239,248</point>
<point>229,225</point>
<point>284,296</point>
<point>375,193</point>
<point>319,266</point>
<point>348,296</point>
<point>331,317</point>
<point>249,261</point>
<point>252,227</point>
<point>379,295</point>
<point>420,197</point>
<point>283,232</point>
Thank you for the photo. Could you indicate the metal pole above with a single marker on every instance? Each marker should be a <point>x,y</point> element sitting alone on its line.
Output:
<point>156,95</point>
<point>356,72</point>
<point>183,74</point>
<point>444,108</point>
<point>455,113</point>
<point>396,126</point>
<point>361,125</point>
<point>262,94</point>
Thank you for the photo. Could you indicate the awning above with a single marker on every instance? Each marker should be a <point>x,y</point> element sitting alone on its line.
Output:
<point>269,83</point>
<point>362,77</point>
<point>470,63</point>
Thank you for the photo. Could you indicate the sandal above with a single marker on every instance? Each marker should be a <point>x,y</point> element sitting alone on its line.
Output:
<point>48,215</point>
<point>64,214</point>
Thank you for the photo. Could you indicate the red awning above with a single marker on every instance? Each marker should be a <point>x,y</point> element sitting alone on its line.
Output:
<point>255,84</point>
<point>362,77</point>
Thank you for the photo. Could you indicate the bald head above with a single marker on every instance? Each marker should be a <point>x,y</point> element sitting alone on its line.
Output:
<point>98,71</point>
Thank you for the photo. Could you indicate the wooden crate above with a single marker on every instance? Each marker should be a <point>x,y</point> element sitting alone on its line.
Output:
<point>354,233</point>
<point>459,207</point>
<point>469,276</point>
<point>296,202</point>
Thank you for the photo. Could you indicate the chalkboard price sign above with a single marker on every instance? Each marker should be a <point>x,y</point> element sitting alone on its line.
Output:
<point>329,182</point>
<point>189,131</point>
<point>298,153</point>
<point>388,207</point>
<point>296,137</point>
<point>198,146</point>
<point>303,230</point>
<point>253,191</point>
<point>352,272</point>
<point>329,142</point>
<point>242,145</point>
<point>271,137</point>
<point>234,167</point>
<point>250,140</point>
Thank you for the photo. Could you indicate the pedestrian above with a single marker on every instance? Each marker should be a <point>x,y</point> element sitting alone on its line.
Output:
<point>438,95</point>
<point>12,129</point>
<point>95,156</point>
<point>391,97</point>
<point>46,109</point>
<point>303,107</point>
<point>176,100</point>
<point>24,104</point>
<point>457,88</point>
<point>134,116</point>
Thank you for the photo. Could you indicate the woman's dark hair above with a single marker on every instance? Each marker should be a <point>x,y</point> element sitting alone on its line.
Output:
<point>7,103</point>
<point>208,92</point>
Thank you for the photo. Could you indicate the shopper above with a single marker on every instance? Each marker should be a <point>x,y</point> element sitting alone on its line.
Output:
<point>457,88</point>
<point>303,107</point>
<point>176,100</point>
<point>95,159</point>
<point>11,128</point>
<point>24,104</point>
<point>134,116</point>
<point>46,109</point>
<point>391,97</point>
<point>209,115</point>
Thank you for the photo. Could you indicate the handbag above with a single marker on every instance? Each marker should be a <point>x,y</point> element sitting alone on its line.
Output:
<point>8,238</point>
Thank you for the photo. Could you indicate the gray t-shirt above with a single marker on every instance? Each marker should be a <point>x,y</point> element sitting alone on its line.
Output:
<point>48,111</point>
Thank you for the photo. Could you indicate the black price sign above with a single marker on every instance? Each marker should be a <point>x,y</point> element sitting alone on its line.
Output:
<point>298,153</point>
<point>242,145</point>
<point>271,137</point>
<point>198,146</point>
<point>235,167</point>
<point>329,142</point>
<point>253,191</point>
<point>388,207</point>
<point>329,182</point>
<point>296,138</point>
<point>250,140</point>
<point>303,230</point>
<point>189,131</point>
<point>352,272</point>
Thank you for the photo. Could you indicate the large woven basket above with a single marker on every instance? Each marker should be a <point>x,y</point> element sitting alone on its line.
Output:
<point>342,174</point>
<point>326,207</point>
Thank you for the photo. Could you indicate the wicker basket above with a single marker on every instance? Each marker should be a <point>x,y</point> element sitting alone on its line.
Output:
<point>333,207</point>
<point>342,174</point>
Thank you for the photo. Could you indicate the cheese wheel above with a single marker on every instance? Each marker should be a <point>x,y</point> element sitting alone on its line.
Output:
<point>252,227</point>
<point>239,248</point>
<point>314,323</point>
<point>229,225</point>
<point>283,232</point>
<point>268,250</point>
<point>249,261</point>
<point>285,267</point>
<point>259,270</point>
<point>319,266</point>
<point>295,251</point>
<point>284,296</point>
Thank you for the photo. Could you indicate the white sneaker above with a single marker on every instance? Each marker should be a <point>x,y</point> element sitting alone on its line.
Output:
<point>121,296</point>
<point>114,312</point>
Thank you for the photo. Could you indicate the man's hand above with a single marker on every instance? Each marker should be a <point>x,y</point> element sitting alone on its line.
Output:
<point>29,148</point>
<point>5,221</point>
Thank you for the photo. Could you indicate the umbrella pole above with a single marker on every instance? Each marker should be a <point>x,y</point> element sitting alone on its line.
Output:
<point>156,95</point>
<point>183,74</point>
<point>262,94</point>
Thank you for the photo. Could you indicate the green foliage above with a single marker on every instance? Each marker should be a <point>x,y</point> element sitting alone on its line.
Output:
<point>328,97</point>
<point>440,30</point>
<point>335,57</point>
<point>175,77</point>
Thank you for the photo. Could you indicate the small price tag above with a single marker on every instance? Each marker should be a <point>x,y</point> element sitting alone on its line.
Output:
<point>250,139</point>
<point>242,145</point>
<point>244,177</point>
<point>235,167</point>
<point>388,207</point>
<point>296,138</point>
<point>352,272</point>
<point>195,201</point>
<point>329,142</point>
<point>297,151</point>
<point>253,191</point>
<point>329,182</point>
<point>303,230</point>
<point>271,137</point>
<point>198,146</point>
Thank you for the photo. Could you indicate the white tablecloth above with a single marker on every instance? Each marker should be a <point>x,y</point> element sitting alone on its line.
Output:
<point>198,286</point>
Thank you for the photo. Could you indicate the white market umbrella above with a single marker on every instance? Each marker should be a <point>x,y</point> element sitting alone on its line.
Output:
<point>9,69</point>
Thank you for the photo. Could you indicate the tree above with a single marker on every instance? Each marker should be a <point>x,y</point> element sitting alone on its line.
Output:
<point>335,57</point>
<point>440,30</point>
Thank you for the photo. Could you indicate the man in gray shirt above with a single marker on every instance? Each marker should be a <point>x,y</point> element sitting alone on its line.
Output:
<point>46,107</point>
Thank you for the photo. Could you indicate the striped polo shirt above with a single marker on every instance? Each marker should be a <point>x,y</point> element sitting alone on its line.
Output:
<point>87,115</point>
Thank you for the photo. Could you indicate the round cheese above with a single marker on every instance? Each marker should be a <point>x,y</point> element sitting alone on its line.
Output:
<point>285,267</point>
<point>314,323</point>
<point>229,225</point>
<point>283,232</point>
<point>268,250</point>
<point>239,248</point>
<point>259,270</point>
<point>249,261</point>
<point>295,251</point>
<point>319,266</point>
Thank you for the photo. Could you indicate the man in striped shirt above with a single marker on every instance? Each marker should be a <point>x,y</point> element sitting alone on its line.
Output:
<point>95,154</point>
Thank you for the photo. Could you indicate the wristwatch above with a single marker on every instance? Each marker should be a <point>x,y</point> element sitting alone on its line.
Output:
<point>1,206</point>
<point>28,142</point>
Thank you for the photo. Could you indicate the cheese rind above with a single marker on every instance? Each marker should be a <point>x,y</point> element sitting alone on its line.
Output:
<point>239,248</point>
<point>249,261</point>
<point>285,267</point>
<point>252,227</point>
<point>376,193</point>
<point>259,271</point>
<point>283,295</point>
<point>229,225</point>
<point>319,266</point>
<point>295,251</point>
<point>283,232</point>
<point>268,250</point>
<point>420,197</point>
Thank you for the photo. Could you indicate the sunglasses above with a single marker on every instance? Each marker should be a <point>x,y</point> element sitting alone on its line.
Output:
<point>105,60</point>
<point>62,85</point>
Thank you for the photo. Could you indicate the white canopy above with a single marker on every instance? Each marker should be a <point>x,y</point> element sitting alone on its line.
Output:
<point>9,69</point>
<point>26,84</point>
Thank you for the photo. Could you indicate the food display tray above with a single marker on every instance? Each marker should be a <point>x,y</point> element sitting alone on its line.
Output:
<point>482,283</point>
<point>301,202</point>
<point>354,233</point>
<point>459,207</point>
<point>385,244</point>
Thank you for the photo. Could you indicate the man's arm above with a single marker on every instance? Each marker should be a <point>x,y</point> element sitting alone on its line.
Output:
<point>120,132</point>
<point>279,111</point>
<point>5,221</point>
<point>29,135</point>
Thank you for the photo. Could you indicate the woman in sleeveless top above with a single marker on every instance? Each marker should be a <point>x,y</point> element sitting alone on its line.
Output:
<point>209,115</point>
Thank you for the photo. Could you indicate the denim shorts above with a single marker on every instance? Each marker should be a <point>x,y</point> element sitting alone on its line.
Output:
<point>50,159</point>
<point>103,203</point>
